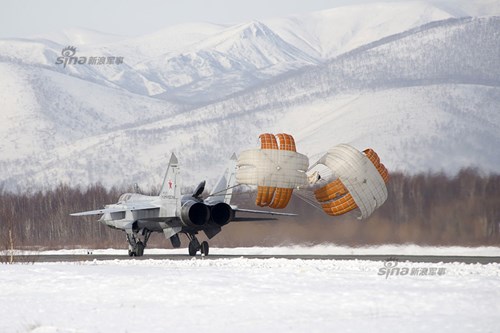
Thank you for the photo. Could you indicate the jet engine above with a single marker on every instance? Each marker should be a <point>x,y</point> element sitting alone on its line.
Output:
<point>221,213</point>
<point>194,213</point>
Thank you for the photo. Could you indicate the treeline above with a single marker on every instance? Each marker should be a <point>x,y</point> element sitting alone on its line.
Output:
<point>42,218</point>
<point>426,209</point>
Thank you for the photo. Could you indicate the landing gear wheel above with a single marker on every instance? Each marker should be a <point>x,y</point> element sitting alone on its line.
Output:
<point>193,248</point>
<point>140,249</point>
<point>136,245</point>
<point>204,248</point>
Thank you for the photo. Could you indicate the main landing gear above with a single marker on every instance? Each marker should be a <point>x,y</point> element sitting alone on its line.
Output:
<point>195,246</point>
<point>136,245</point>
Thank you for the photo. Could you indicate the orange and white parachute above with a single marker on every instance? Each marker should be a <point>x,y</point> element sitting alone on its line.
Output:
<point>275,169</point>
<point>358,180</point>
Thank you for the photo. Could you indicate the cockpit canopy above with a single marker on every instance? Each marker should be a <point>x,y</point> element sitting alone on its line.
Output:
<point>126,197</point>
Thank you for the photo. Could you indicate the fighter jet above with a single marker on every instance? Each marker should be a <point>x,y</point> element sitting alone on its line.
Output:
<point>172,213</point>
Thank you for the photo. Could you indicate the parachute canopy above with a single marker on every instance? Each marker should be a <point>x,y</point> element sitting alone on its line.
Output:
<point>269,167</point>
<point>360,181</point>
<point>276,170</point>
<point>358,177</point>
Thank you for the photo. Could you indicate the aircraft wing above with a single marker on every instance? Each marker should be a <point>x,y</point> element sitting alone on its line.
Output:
<point>99,211</point>
<point>253,219</point>
<point>139,206</point>
<point>262,212</point>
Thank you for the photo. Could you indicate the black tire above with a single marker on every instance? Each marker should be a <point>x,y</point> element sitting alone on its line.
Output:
<point>140,249</point>
<point>204,248</point>
<point>193,248</point>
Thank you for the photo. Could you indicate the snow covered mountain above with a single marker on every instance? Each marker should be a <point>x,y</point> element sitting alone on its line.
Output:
<point>243,56</point>
<point>419,86</point>
<point>329,33</point>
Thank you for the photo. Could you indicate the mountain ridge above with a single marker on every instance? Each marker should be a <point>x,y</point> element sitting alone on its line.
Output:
<point>80,128</point>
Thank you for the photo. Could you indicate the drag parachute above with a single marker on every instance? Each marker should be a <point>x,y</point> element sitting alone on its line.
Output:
<point>275,169</point>
<point>360,181</point>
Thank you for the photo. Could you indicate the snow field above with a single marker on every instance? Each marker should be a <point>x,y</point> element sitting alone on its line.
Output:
<point>319,249</point>
<point>246,295</point>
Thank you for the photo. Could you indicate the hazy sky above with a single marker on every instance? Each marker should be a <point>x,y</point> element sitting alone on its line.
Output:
<point>25,18</point>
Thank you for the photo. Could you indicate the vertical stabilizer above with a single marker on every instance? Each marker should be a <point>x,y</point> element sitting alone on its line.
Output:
<point>170,193</point>
<point>223,190</point>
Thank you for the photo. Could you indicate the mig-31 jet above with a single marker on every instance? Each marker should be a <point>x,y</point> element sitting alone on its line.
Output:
<point>172,213</point>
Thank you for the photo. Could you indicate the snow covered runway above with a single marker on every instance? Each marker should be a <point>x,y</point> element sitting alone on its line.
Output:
<point>248,295</point>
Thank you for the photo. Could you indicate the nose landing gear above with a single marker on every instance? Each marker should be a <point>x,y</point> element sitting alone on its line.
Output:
<point>136,245</point>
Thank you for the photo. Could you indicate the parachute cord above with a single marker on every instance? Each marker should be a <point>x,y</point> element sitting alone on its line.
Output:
<point>224,190</point>
<point>307,200</point>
